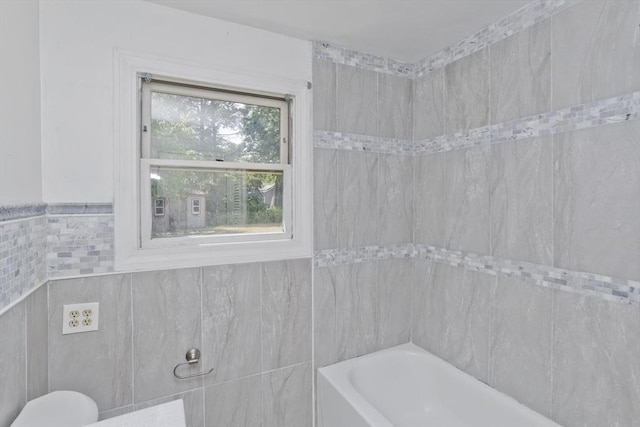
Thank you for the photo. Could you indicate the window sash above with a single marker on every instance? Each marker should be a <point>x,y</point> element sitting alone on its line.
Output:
<point>213,94</point>
<point>146,212</point>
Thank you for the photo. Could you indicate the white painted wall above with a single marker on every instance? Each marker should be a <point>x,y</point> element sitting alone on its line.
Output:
<point>77,42</point>
<point>20,178</point>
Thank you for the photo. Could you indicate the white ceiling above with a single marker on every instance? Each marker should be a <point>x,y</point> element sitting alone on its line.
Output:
<point>406,30</point>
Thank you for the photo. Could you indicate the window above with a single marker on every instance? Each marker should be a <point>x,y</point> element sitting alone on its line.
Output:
<point>213,165</point>
<point>158,205</point>
<point>195,206</point>
<point>220,147</point>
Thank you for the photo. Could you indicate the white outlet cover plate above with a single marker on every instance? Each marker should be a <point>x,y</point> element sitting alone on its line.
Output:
<point>66,317</point>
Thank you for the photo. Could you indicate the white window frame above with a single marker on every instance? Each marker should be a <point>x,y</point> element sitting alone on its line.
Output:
<point>195,207</point>
<point>130,254</point>
<point>196,90</point>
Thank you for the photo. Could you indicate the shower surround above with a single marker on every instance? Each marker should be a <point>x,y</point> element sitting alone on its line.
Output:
<point>459,204</point>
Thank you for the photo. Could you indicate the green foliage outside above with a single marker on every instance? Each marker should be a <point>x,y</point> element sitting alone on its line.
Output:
<point>193,128</point>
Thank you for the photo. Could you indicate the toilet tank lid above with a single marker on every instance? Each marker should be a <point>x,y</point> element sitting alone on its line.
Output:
<point>58,409</point>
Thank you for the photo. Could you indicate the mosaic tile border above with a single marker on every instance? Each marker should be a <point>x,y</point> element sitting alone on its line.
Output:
<point>528,15</point>
<point>22,251</point>
<point>13,212</point>
<point>80,245</point>
<point>327,52</point>
<point>609,288</point>
<point>332,257</point>
<point>354,142</point>
<point>607,111</point>
<point>598,113</point>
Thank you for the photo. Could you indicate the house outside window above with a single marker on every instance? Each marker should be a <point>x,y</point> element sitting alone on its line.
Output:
<point>209,153</point>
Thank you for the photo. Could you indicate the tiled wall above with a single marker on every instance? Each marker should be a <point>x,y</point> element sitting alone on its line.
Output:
<point>455,205</point>
<point>252,323</point>
<point>567,199</point>
<point>22,249</point>
<point>526,212</point>
<point>362,197</point>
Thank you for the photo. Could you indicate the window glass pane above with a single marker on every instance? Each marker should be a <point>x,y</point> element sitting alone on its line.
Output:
<point>220,201</point>
<point>192,128</point>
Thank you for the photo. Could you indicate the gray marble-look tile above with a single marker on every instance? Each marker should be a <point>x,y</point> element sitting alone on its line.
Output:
<point>286,313</point>
<point>13,373</point>
<point>451,315</point>
<point>393,299</point>
<point>357,199</point>
<point>521,74</point>
<point>596,51</point>
<point>193,402</point>
<point>231,321</point>
<point>37,343</point>
<point>597,200</point>
<point>234,403</point>
<point>356,307</point>
<point>357,96</point>
<point>467,92</point>
<point>97,364</point>
<point>596,374</point>
<point>429,199</point>
<point>520,350</point>
<point>324,95</point>
<point>324,316</point>
<point>428,105</point>
<point>426,325</point>
<point>111,413</point>
<point>166,323</point>
<point>325,199</point>
<point>521,183</point>
<point>466,189</point>
<point>395,199</point>
<point>287,397</point>
<point>395,106</point>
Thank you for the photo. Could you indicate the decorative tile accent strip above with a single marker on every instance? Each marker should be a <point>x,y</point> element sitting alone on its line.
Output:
<point>327,52</point>
<point>22,249</point>
<point>606,287</point>
<point>598,113</point>
<point>80,244</point>
<point>330,257</point>
<point>528,15</point>
<point>347,141</point>
<point>80,208</point>
<point>11,212</point>
<point>609,288</point>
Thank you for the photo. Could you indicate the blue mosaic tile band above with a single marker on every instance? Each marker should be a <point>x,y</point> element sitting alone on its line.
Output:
<point>608,111</point>
<point>22,250</point>
<point>80,244</point>
<point>327,52</point>
<point>346,141</point>
<point>330,257</point>
<point>609,288</point>
<point>598,113</point>
<point>528,15</point>
<point>12,212</point>
<point>80,208</point>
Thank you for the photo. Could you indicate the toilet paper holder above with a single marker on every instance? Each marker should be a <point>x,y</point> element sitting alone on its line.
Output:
<point>193,357</point>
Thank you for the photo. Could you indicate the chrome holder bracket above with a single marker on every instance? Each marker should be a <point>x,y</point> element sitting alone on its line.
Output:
<point>193,357</point>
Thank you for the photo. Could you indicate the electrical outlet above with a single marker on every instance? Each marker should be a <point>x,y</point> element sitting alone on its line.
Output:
<point>79,318</point>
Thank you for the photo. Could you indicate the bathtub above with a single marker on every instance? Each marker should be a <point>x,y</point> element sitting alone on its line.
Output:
<point>406,386</point>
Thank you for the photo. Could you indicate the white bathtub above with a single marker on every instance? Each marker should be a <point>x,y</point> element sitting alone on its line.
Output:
<point>406,386</point>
